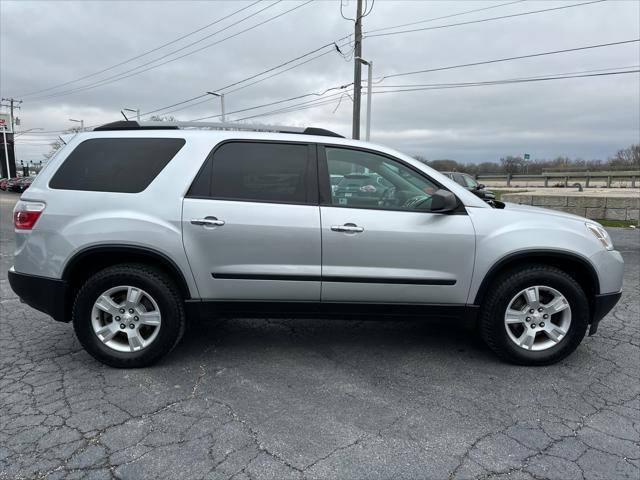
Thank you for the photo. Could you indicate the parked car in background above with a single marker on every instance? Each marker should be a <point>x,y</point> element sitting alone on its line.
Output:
<point>335,180</point>
<point>11,184</point>
<point>470,183</point>
<point>361,189</point>
<point>22,184</point>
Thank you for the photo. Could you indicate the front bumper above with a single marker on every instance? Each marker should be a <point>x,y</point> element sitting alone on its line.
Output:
<point>48,295</point>
<point>602,305</point>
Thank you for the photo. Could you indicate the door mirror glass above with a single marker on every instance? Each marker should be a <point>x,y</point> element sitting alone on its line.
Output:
<point>480,186</point>
<point>443,201</point>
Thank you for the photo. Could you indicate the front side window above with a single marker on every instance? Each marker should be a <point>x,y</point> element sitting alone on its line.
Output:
<point>367,180</point>
<point>122,165</point>
<point>255,171</point>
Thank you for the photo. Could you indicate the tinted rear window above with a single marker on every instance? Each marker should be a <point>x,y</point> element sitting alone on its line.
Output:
<point>124,165</point>
<point>254,171</point>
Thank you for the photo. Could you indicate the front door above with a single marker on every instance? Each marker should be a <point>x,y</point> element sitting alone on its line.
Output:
<point>379,241</point>
<point>251,223</point>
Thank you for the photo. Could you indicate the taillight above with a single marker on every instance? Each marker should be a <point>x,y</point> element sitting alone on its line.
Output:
<point>26,214</point>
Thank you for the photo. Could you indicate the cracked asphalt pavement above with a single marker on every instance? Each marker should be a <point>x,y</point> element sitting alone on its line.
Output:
<point>293,399</point>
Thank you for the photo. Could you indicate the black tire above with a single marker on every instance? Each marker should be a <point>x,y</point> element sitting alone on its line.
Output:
<point>504,288</point>
<point>151,280</point>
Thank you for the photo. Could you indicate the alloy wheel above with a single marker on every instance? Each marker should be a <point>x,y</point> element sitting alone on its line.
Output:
<point>126,318</point>
<point>537,318</point>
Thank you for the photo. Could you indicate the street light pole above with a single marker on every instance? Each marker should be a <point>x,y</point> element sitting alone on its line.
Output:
<point>369,65</point>
<point>136,111</point>
<point>6,151</point>
<point>221,95</point>
<point>81,122</point>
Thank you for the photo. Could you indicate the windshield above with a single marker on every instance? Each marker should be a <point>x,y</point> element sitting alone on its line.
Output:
<point>468,179</point>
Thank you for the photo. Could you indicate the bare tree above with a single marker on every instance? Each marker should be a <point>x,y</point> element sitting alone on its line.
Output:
<point>444,165</point>
<point>58,143</point>
<point>511,164</point>
<point>627,157</point>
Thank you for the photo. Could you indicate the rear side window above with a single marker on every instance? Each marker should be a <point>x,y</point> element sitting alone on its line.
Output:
<point>123,165</point>
<point>255,171</point>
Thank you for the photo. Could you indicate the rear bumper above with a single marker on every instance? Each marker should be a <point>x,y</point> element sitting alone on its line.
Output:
<point>601,306</point>
<point>48,295</point>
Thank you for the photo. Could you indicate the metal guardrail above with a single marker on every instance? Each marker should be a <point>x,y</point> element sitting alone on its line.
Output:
<point>565,177</point>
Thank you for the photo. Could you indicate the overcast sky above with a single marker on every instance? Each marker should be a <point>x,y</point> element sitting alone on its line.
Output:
<point>46,43</point>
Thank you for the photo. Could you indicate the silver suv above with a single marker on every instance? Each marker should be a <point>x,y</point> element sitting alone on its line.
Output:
<point>131,230</point>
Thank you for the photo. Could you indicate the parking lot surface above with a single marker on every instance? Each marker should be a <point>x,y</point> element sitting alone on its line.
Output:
<point>254,399</point>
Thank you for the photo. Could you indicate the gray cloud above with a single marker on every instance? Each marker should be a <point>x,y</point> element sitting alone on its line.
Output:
<point>47,43</point>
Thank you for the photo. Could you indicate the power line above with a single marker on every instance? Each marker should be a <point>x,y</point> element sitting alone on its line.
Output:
<point>193,32</point>
<point>608,69</point>
<point>114,79</point>
<point>328,100</point>
<point>416,72</point>
<point>507,59</point>
<point>128,73</point>
<point>332,98</point>
<point>336,97</point>
<point>506,81</point>
<point>288,110</point>
<point>239,82</point>
<point>40,132</point>
<point>282,64</point>
<point>286,70</point>
<point>445,16</point>
<point>427,71</point>
<point>176,104</point>
<point>470,22</point>
<point>275,102</point>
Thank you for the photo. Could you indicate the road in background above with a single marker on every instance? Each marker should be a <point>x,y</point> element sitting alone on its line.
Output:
<point>318,399</point>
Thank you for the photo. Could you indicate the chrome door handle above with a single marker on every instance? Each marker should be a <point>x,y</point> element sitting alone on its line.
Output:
<point>347,227</point>
<point>208,221</point>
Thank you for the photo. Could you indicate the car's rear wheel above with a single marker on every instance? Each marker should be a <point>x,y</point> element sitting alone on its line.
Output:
<point>128,315</point>
<point>536,315</point>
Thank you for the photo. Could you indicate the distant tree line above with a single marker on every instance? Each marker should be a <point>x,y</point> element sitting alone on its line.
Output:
<point>625,159</point>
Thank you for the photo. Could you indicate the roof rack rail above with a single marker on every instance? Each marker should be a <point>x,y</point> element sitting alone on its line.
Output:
<point>158,125</point>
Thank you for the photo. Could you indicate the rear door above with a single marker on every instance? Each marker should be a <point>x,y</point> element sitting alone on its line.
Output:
<point>251,223</point>
<point>392,250</point>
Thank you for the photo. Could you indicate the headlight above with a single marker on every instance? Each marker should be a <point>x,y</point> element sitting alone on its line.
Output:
<point>601,234</point>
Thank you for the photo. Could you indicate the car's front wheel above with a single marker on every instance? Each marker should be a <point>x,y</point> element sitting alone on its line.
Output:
<point>536,315</point>
<point>128,315</point>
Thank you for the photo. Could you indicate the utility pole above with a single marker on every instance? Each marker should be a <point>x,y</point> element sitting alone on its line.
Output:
<point>357,72</point>
<point>6,151</point>
<point>12,106</point>
<point>12,102</point>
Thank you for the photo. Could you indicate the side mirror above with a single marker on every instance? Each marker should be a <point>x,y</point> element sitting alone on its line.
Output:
<point>443,201</point>
<point>480,186</point>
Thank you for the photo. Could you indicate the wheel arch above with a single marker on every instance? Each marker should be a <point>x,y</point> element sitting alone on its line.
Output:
<point>578,267</point>
<point>90,260</point>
